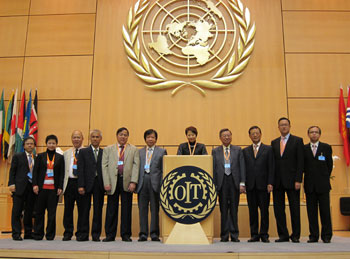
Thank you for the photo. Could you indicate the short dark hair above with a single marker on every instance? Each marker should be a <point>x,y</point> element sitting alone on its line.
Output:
<point>319,129</point>
<point>283,118</point>
<point>28,138</point>
<point>121,129</point>
<point>191,128</point>
<point>223,130</point>
<point>51,137</point>
<point>254,127</point>
<point>149,132</point>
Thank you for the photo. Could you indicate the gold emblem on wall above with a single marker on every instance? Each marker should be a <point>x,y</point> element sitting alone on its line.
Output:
<point>205,44</point>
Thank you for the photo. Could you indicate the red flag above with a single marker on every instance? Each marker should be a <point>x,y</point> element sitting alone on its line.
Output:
<point>33,123</point>
<point>342,127</point>
<point>20,125</point>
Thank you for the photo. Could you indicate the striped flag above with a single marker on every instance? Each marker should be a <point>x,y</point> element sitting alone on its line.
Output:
<point>20,125</point>
<point>342,127</point>
<point>2,119</point>
<point>27,116</point>
<point>7,127</point>
<point>11,148</point>
<point>348,111</point>
<point>33,123</point>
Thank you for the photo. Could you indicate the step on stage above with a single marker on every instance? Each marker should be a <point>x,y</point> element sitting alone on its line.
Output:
<point>339,248</point>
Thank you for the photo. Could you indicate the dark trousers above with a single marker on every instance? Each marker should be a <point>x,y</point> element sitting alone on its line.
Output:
<point>112,212</point>
<point>280,214</point>
<point>47,200</point>
<point>229,200</point>
<point>98,198</point>
<point>258,199</point>
<point>147,197</point>
<point>71,195</point>
<point>25,202</point>
<point>315,202</point>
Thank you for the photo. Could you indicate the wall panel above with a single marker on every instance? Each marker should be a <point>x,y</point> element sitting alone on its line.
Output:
<point>317,75</point>
<point>12,35</point>
<point>62,6</point>
<point>339,5</point>
<point>10,75</point>
<point>67,77</point>
<point>316,31</point>
<point>61,35</point>
<point>14,7</point>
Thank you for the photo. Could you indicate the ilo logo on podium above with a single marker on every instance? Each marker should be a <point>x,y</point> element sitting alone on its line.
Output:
<point>188,194</point>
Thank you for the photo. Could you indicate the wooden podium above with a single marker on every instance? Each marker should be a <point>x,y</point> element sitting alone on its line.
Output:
<point>207,225</point>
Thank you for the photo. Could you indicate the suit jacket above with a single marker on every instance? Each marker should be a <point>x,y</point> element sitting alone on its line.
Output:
<point>200,149</point>
<point>87,168</point>
<point>156,168</point>
<point>260,171</point>
<point>237,166</point>
<point>289,167</point>
<point>110,166</point>
<point>18,172</point>
<point>318,172</point>
<point>40,167</point>
<point>68,161</point>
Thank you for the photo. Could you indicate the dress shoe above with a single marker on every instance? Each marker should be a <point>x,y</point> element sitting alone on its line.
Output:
<point>265,240</point>
<point>18,238</point>
<point>326,240</point>
<point>126,239</point>
<point>29,236</point>
<point>66,238</point>
<point>96,239</point>
<point>312,240</point>
<point>82,239</point>
<point>155,239</point>
<point>224,240</point>
<point>253,239</point>
<point>38,238</point>
<point>294,240</point>
<point>142,239</point>
<point>235,239</point>
<point>280,240</point>
<point>50,238</point>
<point>108,239</point>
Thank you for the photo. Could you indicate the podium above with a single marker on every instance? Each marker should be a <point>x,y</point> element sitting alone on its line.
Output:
<point>187,234</point>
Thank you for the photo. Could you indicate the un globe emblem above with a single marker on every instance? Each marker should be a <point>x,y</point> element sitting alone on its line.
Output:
<point>188,194</point>
<point>205,44</point>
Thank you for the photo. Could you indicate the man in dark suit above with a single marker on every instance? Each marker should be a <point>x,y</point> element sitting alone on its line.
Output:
<point>318,169</point>
<point>229,178</point>
<point>150,179</point>
<point>289,163</point>
<point>90,183</point>
<point>260,170</point>
<point>20,184</point>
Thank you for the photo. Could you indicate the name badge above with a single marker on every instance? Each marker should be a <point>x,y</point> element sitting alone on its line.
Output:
<point>146,167</point>
<point>50,173</point>
<point>322,158</point>
<point>30,175</point>
<point>120,162</point>
<point>75,167</point>
<point>227,166</point>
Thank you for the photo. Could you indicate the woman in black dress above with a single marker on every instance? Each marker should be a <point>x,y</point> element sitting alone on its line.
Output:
<point>192,147</point>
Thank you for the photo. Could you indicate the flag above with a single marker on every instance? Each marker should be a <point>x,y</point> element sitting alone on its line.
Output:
<point>342,127</point>
<point>2,119</point>
<point>13,129</point>
<point>20,124</point>
<point>7,127</point>
<point>27,116</point>
<point>33,123</point>
<point>348,112</point>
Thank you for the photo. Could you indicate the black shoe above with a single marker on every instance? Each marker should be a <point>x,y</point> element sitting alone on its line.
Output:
<point>50,238</point>
<point>326,240</point>
<point>155,239</point>
<point>66,238</point>
<point>38,238</point>
<point>253,239</point>
<point>312,240</point>
<point>280,240</point>
<point>126,239</point>
<point>29,236</point>
<point>80,239</point>
<point>108,239</point>
<point>265,240</point>
<point>18,238</point>
<point>235,239</point>
<point>142,239</point>
<point>295,240</point>
<point>224,240</point>
<point>96,239</point>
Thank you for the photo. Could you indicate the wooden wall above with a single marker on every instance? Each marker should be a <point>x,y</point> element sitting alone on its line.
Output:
<point>72,52</point>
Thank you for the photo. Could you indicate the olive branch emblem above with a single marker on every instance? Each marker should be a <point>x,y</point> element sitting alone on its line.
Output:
<point>226,74</point>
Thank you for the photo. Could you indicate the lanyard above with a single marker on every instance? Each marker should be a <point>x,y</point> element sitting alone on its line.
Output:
<point>31,162</point>
<point>50,162</point>
<point>148,159</point>
<point>189,148</point>
<point>227,157</point>
<point>122,153</point>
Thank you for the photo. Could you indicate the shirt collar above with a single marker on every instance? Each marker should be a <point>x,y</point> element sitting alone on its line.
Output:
<point>317,143</point>
<point>286,137</point>
<point>224,147</point>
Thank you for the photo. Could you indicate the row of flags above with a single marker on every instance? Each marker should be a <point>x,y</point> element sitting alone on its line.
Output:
<point>17,125</point>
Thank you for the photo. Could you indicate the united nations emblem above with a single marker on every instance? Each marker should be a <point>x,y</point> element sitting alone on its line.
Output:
<point>188,194</point>
<point>188,39</point>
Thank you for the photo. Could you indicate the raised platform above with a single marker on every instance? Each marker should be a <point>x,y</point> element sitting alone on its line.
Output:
<point>339,248</point>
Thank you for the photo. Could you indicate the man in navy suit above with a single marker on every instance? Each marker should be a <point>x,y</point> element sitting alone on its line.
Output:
<point>260,172</point>
<point>150,179</point>
<point>229,178</point>
<point>90,183</point>
<point>318,169</point>
<point>289,164</point>
<point>20,184</point>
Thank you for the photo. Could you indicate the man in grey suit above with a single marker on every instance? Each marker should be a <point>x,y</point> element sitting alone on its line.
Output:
<point>229,178</point>
<point>120,172</point>
<point>150,179</point>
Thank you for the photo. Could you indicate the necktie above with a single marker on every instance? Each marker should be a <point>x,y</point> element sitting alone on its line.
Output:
<point>314,149</point>
<point>227,161</point>
<point>255,150</point>
<point>282,145</point>
<point>148,160</point>
<point>30,162</point>
<point>121,158</point>
<point>95,153</point>
<point>75,170</point>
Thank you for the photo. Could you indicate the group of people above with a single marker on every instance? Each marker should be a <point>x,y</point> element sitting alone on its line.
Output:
<point>119,170</point>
